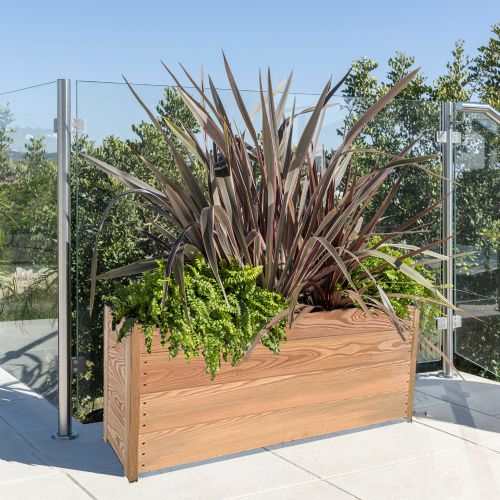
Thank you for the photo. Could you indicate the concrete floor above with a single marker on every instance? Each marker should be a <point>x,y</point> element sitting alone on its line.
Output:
<point>452,450</point>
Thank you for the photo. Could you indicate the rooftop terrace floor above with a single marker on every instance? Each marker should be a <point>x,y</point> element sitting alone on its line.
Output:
<point>452,450</point>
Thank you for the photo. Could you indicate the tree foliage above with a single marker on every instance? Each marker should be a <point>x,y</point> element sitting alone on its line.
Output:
<point>486,70</point>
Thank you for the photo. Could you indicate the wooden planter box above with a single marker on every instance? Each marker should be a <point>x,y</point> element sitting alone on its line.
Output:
<point>338,370</point>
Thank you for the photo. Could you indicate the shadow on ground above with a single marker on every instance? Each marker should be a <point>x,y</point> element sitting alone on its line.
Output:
<point>28,351</point>
<point>473,404</point>
<point>27,422</point>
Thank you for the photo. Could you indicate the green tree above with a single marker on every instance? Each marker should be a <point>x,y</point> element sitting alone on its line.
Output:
<point>477,190</point>
<point>455,84</point>
<point>30,222</point>
<point>28,225</point>
<point>486,70</point>
<point>411,116</point>
<point>6,120</point>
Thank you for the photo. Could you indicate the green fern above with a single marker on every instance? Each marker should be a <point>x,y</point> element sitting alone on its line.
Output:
<point>214,328</point>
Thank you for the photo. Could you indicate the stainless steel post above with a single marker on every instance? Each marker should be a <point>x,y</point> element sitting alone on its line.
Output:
<point>63,247</point>
<point>448,230</point>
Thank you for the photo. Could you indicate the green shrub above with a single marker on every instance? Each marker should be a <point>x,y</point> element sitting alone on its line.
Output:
<point>205,324</point>
<point>401,289</point>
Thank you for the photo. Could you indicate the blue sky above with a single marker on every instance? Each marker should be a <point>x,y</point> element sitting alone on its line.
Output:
<point>100,40</point>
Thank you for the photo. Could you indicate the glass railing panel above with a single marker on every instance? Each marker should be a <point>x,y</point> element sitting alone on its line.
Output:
<point>28,238</point>
<point>117,128</point>
<point>477,206</point>
<point>110,113</point>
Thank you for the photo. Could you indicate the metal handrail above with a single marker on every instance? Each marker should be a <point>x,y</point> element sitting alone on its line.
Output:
<point>485,109</point>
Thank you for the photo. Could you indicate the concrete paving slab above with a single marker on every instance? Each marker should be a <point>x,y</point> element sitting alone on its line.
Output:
<point>11,388</point>
<point>367,448</point>
<point>84,453</point>
<point>472,393</point>
<point>422,401</point>
<point>29,414</point>
<point>492,445</point>
<point>470,473</point>
<point>462,422</point>
<point>238,475</point>
<point>476,378</point>
<point>55,486</point>
<point>5,430</point>
<point>318,490</point>
<point>15,390</point>
<point>410,459</point>
<point>19,461</point>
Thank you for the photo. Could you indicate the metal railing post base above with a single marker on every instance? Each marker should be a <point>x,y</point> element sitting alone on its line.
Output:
<point>65,437</point>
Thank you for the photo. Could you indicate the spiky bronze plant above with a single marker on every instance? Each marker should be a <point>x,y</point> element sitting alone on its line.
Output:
<point>265,204</point>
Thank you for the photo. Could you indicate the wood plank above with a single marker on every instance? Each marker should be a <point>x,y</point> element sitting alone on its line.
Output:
<point>116,431</point>
<point>117,406</point>
<point>413,364</point>
<point>132,404</point>
<point>341,322</point>
<point>337,323</point>
<point>198,405</point>
<point>302,355</point>
<point>116,380</point>
<point>188,444</point>
<point>115,391</point>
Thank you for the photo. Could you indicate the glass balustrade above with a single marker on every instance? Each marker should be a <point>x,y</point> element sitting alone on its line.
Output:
<point>118,129</point>
<point>477,227</point>
<point>28,237</point>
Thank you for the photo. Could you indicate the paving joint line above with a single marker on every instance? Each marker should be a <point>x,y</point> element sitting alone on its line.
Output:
<point>278,488</point>
<point>484,445</point>
<point>74,481</point>
<point>453,435</point>
<point>457,404</point>
<point>403,461</point>
<point>293,463</point>
<point>341,489</point>
<point>309,472</point>
<point>407,460</point>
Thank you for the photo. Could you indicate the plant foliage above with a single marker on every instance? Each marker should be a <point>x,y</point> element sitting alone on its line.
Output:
<point>265,203</point>
<point>401,290</point>
<point>205,323</point>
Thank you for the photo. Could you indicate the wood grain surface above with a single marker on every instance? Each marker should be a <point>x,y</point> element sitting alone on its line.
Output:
<point>188,444</point>
<point>132,404</point>
<point>158,373</point>
<point>413,363</point>
<point>166,410</point>
<point>115,390</point>
<point>341,322</point>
